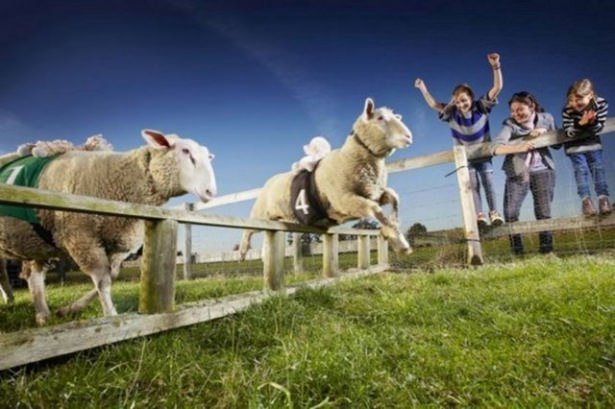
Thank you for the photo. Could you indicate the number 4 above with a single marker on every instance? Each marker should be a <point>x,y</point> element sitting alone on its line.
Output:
<point>301,203</point>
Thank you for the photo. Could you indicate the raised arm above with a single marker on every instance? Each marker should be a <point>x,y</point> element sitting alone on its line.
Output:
<point>438,106</point>
<point>498,81</point>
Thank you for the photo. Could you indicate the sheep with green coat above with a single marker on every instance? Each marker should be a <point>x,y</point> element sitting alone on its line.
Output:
<point>348,183</point>
<point>166,167</point>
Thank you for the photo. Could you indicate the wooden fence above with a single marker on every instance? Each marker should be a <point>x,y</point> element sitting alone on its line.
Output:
<point>156,297</point>
<point>157,286</point>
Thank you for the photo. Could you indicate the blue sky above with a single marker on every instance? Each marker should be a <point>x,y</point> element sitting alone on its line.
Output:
<point>254,81</point>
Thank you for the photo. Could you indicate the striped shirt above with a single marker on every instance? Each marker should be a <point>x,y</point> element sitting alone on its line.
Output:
<point>570,124</point>
<point>473,128</point>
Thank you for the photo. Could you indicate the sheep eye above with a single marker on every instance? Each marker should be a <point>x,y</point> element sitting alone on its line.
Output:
<point>380,118</point>
<point>186,151</point>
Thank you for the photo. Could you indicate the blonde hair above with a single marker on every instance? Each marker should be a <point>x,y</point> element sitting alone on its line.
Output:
<point>582,88</point>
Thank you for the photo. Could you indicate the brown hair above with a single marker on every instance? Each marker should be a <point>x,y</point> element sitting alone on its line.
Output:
<point>526,98</point>
<point>582,87</point>
<point>463,88</point>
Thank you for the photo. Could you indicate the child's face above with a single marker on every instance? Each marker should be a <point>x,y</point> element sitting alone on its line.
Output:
<point>521,112</point>
<point>580,102</point>
<point>463,102</point>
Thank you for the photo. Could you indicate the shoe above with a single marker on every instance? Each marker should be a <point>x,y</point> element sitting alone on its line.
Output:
<point>481,220</point>
<point>496,219</point>
<point>587,207</point>
<point>603,205</point>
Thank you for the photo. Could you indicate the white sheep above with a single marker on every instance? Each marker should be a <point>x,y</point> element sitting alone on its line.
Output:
<point>167,166</point>
<point>350,181</point>
<point>314,151</point>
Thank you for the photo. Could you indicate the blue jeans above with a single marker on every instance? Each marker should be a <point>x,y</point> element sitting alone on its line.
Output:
<point>585,164</point>
<point>482,171</point>
<point>542,185</point>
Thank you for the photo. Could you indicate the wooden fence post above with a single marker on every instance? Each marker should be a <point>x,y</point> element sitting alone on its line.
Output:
<point>273,261</point>
<point>157,290</point>
<point>468,211</point>
<point>188,246</point>
<point>297,253</point>
<point>383,250</point>
<point>363,252</point>
<point>330,255</point>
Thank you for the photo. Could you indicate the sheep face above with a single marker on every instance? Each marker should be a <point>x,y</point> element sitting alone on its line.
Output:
<point>395,133</point>
<point>196,175</point>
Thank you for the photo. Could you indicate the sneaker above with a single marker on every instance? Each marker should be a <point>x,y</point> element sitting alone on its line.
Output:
<point>481,220</point>
<point>496,219</point>
<point>587,207</point>
<point>603,205</point>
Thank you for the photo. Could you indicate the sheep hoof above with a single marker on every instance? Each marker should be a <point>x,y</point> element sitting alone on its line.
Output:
<point>41,319</point>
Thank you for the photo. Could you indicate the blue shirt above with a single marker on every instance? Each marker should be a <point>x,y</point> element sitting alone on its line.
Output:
<point>473,128</point>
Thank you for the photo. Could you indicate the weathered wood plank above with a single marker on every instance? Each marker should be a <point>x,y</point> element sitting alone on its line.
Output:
<point>157,290</point>
<point>188,245</point>
<point>297,253</point>
<point>468,211</point>
<point>535,226</point>
<point>330,255</point>
<point>383,250</point>
<point>363,255</point>
<point>273,260</point>
<point>33,345</point>
<point>10,194</point>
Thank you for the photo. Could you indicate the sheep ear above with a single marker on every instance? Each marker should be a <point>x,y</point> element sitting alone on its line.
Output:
<point>156,139</point>
<point>368,109</point>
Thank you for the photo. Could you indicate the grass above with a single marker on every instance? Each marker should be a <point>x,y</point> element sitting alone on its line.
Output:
<point>538,332</point>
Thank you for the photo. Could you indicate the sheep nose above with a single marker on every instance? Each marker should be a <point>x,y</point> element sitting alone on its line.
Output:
<point>211,192</point>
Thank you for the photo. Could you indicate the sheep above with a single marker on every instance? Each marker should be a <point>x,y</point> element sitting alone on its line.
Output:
<point>42,149</point>
<point>314,152</point>
<point>166,167</point>
<point>350,181</point>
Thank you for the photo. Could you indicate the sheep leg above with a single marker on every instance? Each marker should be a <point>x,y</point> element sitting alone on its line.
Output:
<point>34,273</point>
<point>389,196</point>
<point>93,261</point>
<point>363,207</point>
<point>245,243</point>
<point>5,285</point>
<point>78,305</point>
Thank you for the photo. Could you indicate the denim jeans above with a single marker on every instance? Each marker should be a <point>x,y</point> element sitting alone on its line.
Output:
<point>482,171</point>
<point>585,164</point>
<point>542,185</point>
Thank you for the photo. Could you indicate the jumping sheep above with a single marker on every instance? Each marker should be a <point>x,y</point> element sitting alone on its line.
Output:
<point>166,167</point>
<point>350,182</point>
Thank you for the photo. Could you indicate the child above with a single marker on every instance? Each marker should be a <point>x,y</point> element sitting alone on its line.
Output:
<point>527,169</point>
<point>469,124</point>
<point>584,114</point>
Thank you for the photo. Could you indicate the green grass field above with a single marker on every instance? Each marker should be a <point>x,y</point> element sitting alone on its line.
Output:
<point>530,333</point>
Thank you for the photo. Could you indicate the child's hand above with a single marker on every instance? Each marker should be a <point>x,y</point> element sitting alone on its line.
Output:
<point>587,118</point>
<point>418,83</point>
<point>523,147</point>
<point>534,133</point>
<point>494,59</point>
